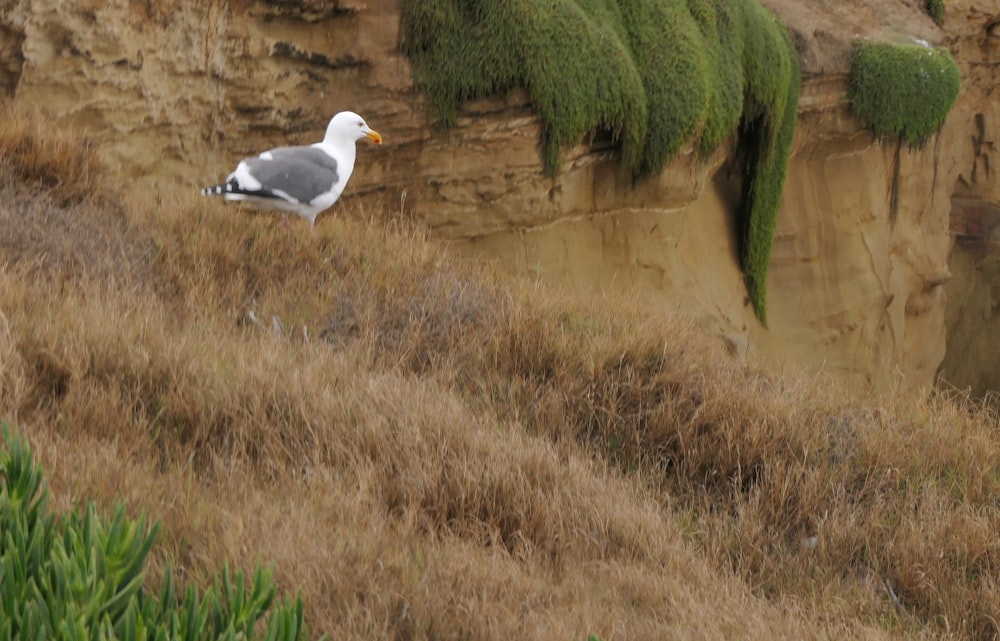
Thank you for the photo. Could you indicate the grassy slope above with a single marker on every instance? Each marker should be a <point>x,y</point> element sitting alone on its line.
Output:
<point>451,455</point>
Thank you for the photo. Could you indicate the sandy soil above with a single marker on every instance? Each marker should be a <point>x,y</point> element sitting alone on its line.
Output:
<point>824,30</point>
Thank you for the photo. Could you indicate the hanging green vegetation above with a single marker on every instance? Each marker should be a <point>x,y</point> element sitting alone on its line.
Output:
<point>652,73</point>
<point>935,9</point>
<point>767,127</point>
<point>903,91</point>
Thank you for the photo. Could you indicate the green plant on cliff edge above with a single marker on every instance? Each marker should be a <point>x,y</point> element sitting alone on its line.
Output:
<point>651,73</point>
<point>935,9</point>
<point>81,577</point>
<point>903,91</point>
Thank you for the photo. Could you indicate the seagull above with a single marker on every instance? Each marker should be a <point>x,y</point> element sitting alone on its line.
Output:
<point>305,180</point>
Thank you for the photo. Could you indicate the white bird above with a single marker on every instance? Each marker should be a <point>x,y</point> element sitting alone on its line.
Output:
<point>305,180</point>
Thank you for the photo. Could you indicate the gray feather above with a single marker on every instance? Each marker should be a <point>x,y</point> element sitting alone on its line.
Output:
<point>301,172</point>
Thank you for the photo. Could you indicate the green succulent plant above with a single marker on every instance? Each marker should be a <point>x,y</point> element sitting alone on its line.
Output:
<point>80,577</point>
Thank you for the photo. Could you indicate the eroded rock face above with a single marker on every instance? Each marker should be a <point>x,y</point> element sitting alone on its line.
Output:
<point>973,358</point>
<point>173,93</point>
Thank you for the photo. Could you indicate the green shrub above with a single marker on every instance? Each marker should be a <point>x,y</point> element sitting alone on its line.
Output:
<point>903,91</point>
<point>935,9</point>
<point>81,576</point>
<point>653,74</point>
<point>767,129</point>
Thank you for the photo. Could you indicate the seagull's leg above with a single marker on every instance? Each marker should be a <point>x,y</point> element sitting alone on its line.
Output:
<point>288,227</point>
<point>312,227</point>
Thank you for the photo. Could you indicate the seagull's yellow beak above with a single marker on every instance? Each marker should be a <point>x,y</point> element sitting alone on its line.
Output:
<point>375,136</point>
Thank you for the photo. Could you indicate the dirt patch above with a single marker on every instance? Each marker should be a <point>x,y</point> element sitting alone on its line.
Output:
<point>824,31</point>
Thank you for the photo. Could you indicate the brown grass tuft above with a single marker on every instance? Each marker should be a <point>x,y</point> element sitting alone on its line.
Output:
<point>35,152</point>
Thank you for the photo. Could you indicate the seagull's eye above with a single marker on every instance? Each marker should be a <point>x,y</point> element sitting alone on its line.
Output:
<point>361,124</point>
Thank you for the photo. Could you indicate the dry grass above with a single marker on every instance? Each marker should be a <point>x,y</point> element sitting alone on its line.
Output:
<point>41,155</point>
<point>60,218</point>
<point>428,451</point>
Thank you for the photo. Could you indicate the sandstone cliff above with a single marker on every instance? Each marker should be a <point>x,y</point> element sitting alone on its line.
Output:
<point>173,93</point>
<point>972,318</point>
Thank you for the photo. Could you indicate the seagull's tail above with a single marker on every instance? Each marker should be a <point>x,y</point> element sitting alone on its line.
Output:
<point>216,190</point>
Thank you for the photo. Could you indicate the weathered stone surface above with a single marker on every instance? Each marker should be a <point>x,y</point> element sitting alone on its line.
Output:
<point>972,320</point>
<point>173,93</point>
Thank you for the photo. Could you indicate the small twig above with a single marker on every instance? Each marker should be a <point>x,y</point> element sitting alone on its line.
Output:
<point>892,595</point>
<point>276,325</point>
<point>253,318</point>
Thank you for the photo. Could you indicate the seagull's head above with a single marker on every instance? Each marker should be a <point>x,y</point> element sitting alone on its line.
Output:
<point>348,125</point>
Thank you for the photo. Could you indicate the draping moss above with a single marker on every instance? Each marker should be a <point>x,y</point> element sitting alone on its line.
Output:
<point>653,74</point>
<point>935,9</point>
<point>903,91</point>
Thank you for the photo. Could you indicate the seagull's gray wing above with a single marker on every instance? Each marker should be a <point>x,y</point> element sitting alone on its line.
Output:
<point>301,173</point>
